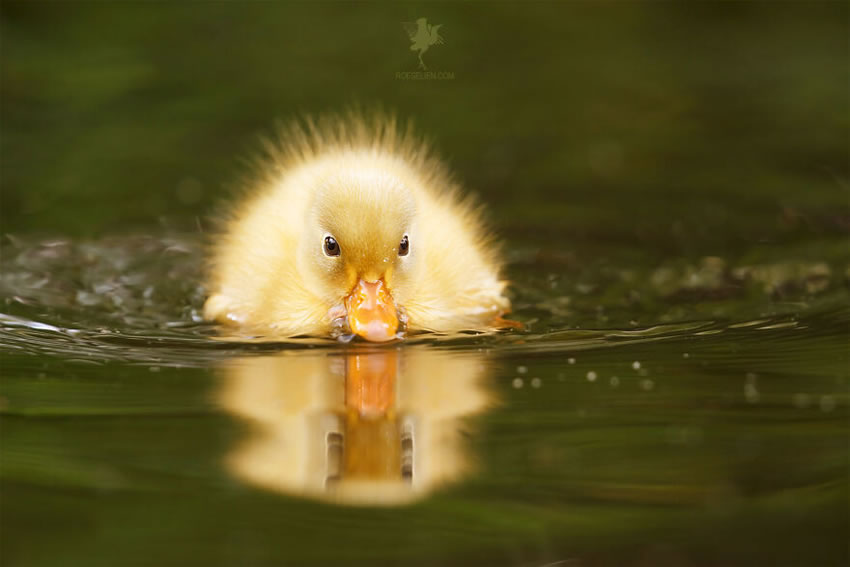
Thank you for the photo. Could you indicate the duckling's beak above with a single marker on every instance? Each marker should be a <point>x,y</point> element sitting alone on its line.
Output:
<point>371,311</point>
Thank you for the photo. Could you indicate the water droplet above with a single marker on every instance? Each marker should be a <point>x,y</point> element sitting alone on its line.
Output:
<point>536,382</point>
<point>517,383</point>
<point>571,360</point>
<point>591,376</point>
<point>636,365</point>
<point>647,385</point>
<point>522,369</point>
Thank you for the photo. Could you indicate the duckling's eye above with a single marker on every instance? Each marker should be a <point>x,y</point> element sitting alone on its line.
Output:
<point>404,247</point>
<point>331,246</point>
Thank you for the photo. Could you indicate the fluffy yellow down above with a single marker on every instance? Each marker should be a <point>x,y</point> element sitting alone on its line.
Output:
<point>367,183</point>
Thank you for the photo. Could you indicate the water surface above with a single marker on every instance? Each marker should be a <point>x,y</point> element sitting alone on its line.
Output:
<point>128,425</point>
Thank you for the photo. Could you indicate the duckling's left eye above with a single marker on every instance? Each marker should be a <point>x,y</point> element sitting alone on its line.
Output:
<point>404,247</point>
<point>331,246</point>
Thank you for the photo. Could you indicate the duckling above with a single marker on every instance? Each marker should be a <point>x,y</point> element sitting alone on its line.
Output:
<point>354,228</point>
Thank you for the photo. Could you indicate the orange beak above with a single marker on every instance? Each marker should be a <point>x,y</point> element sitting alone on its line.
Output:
<point>372,312</point>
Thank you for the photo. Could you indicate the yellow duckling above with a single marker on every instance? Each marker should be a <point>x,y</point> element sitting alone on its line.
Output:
<point>355,227</point>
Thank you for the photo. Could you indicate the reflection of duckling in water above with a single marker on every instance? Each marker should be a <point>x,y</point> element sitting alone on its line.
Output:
<point>355,227</point>
<point>370,428</point>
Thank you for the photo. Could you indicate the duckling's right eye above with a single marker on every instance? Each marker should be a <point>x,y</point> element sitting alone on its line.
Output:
<point>331,246</point>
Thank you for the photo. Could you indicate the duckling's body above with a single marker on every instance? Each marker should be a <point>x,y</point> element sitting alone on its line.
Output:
<point>351,222</point>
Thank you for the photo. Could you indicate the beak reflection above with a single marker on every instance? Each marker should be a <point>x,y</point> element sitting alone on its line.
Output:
<point>380,427</point>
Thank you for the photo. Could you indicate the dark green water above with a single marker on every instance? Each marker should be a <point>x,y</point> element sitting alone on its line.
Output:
<point>670,182</point>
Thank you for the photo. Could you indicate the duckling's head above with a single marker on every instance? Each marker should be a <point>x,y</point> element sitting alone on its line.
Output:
<point>359,249</point>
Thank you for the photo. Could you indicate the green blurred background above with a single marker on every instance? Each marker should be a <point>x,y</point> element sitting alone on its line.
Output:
<point>688,127</point>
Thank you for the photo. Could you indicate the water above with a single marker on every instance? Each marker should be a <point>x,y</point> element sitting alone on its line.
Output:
<point>670,184</point>
<point>134,427</point>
